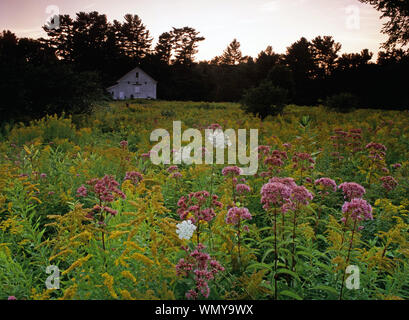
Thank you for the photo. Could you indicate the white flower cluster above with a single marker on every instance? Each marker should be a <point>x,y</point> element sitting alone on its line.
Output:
<point>185,229</point>
<point>219,139</point>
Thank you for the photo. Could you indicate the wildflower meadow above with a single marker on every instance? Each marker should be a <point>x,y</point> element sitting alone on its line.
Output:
<point>85,214</point>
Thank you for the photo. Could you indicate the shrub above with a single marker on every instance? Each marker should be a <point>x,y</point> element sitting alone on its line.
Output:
<point>281,76</point>
<point>264,100</point>
<point>342,102</point>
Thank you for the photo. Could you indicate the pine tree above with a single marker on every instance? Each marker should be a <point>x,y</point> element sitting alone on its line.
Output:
<point>232,55</point>
<point>398,25</point>
<point>134,38</point>
<point>163,49</point>
<point>185,41</point>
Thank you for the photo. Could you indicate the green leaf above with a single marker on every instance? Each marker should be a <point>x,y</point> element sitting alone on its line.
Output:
<point>326,288</point>
<point>305,253</point>
<point>290,294</point>
<point>266,254</point>
<point>260,266</point>
<point>289,272</point>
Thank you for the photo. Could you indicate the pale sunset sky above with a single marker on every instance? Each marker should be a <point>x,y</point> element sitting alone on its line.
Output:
<point>255,23</point>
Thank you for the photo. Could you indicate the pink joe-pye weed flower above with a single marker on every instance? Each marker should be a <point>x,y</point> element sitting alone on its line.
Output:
<point>172,168</point>
<point>133,176</point>
<point>301,195</point>
<point>235,214</point>
<point>274,194</point>
<point>327,183</point>
<point>376,146</point>
<point>274,161</point>
<point>123,144</point>
<point>358,209</point>
<point>146,155</point>
<point>352,190</point>
<point>176,175</point>
<point>203,267</point>
<point>389,183</point>
<point>242,188</point>
<point>231,171</point>
<point>215,126</point>
<point>289,182</point>
<point>106,188</point>
<point>303,160</point>
<point>396,166</point>
<point>82,191</point>
<point>196,206</point>
<point>263,150</point>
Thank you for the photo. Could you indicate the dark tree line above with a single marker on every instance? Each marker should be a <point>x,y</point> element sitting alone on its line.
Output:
<point>69,70</point>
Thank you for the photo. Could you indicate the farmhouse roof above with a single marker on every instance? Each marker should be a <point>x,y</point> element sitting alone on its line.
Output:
<point>137,69</point>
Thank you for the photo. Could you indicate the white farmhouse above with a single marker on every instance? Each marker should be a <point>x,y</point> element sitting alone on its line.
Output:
<point>135,84</point>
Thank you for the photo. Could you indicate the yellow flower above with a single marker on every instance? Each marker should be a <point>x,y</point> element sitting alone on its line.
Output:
<point>109,283</point>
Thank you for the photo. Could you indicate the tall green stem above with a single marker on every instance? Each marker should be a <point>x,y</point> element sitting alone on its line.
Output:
<point>347,261</point>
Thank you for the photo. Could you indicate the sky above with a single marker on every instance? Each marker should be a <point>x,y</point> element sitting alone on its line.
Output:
<point>255,23</point>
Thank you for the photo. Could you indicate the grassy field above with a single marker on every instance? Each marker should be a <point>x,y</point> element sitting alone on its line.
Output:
<point>81,194</point>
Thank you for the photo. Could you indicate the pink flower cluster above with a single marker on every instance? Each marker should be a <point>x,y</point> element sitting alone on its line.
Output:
<point>300,194</point>
<point>235,214</point>
<point>274,194</point>
<point>343,139</point>
<point>172,168</point>
<point>204,269</point>
<point>376,146</point>
<point>174,173</point>
<point>99,209</point>
<point>123,144</point>
<point>196,205</point>
<point>148,154</point>
<point>264,150</point>
<point>82,191</point>
<point>289,182</point>
<point>303,160</point>
<point>276,158</point>
<point>215,126</point>
<point>396,166</point>
<point>106,189</point>
<point>133,176</point>
<point>327,183</point>
<point>352,190</point>
<point>231,171</point>
<point>284,193</point>
<point>389,183</point>
<point>377,151</point>
<point>242,188</point>
<point>358,209</point>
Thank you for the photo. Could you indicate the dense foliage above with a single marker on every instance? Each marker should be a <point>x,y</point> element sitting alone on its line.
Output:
<point>81,193</point>
<point>342,102</point>
<point>264,100</point>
